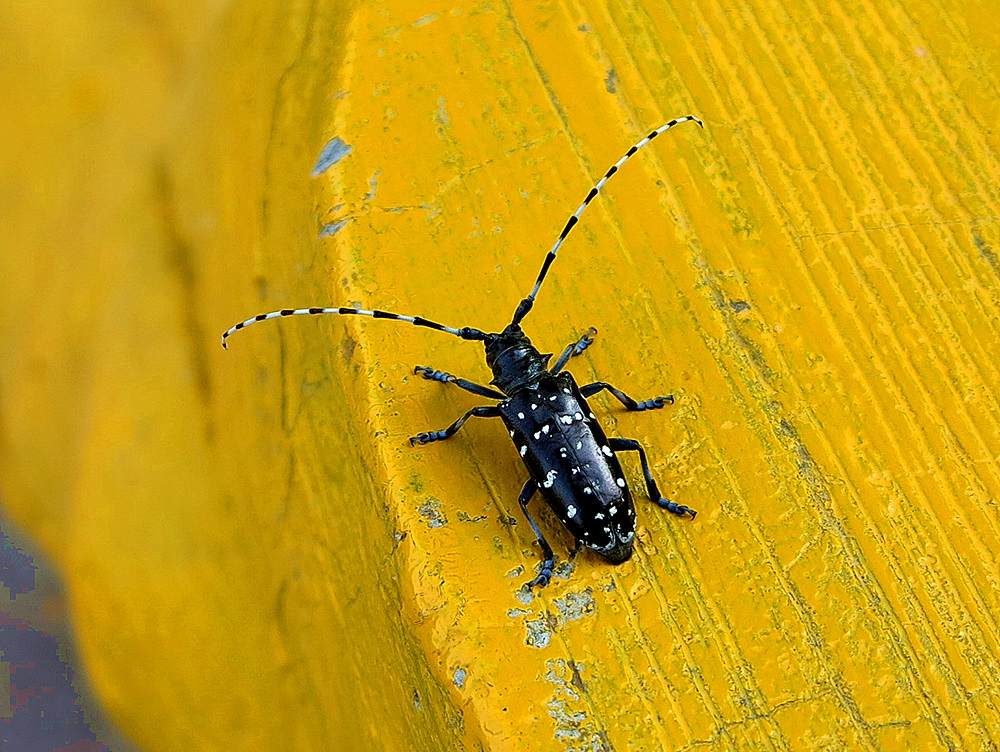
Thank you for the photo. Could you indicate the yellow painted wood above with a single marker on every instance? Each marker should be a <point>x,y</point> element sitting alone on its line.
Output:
<point>258,560</point>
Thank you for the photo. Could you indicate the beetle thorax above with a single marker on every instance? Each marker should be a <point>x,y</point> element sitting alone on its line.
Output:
<point>514,360</point>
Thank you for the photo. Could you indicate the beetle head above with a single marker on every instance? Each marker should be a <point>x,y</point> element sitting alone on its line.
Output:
<point>513,359</point>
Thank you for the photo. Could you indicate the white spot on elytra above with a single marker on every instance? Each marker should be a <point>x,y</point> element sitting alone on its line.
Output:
<point>598,516</point>
<point>545,428</point>
<point>565,390</point>
<point>566,419</point>
<point>606,450</point>
<point>553,398</point>
<point>613,511</point>
<point>521,416</point>
<point>579,445</point>
<point>550,478</point>
<point>587,490</point>
<point>512,434</point>
<point>524,450</point>
<point>620,482</point>
<point>592,416</point>
<point>575,470</point>
<point>571,511</point>
<point>534,406</point>
<point>578,416</point>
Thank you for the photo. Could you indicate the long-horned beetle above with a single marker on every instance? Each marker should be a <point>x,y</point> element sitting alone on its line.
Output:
<point>568,456</point>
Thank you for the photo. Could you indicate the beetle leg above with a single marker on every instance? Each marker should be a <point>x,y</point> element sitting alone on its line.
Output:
<point>630,404</point>
<point>447,378</point>
<point>487,411</point>
<point>628,445</point>
<point>576,549</point>
<point>549,561</point>
<point>574,349</point>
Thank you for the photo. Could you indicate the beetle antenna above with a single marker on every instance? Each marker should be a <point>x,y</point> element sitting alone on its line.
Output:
<point>526,304</point>
<point>464,333</point>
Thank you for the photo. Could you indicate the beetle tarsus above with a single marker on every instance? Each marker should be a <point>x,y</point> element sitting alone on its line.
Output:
<point>433,375</point>
<point>585,341</point>
<point>544,576</point>
<point>656,403</point>
<point>678,509</point>
<point>573,349</point>
<point>428,437</point>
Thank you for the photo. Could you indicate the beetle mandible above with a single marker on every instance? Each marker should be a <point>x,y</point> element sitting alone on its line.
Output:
<point>568,456</point>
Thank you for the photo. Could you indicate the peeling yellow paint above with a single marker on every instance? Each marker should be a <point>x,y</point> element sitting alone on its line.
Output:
<point>257,559</point>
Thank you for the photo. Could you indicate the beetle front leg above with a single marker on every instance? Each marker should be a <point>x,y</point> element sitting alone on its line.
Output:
<point>489,411</point>
<point>447,378</point>
<point>630,404</point>
<point>574,349</point>
<point>549,560</point>
<point>628,445</point>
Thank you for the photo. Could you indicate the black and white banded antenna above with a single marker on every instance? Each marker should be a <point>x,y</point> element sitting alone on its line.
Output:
<point>464,333</point>
<point>470,333</point>
<point>525,305</point>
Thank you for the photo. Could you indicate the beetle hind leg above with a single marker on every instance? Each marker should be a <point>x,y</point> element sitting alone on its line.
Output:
<point>630,404</point>
<point>630,445</point>
<point>549,559</point>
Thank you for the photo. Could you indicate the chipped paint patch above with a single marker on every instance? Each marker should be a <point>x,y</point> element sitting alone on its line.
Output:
<point>524,595</point>
<point>576,605</point>
<point>373,186</point>
<point>611,82</point>
<point>430,510</point>
<point>334,151</point>
<point>564,570</point>
<point>568,707</point>
<point>539,632</point>
<point>442,116</point>
<point>333,228</point>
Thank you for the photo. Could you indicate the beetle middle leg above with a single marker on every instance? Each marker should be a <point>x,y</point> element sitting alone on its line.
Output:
<point>630,404</point>
<point>447,378</point>
<point>487,411</point>
<point>549,559</point>
<point>629,445</point>
<point>574,349</point>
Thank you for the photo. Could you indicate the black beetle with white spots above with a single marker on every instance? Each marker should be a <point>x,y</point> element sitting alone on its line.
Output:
<point>568,456</point>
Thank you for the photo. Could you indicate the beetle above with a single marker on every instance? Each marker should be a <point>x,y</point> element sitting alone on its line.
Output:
<point>568,456</point>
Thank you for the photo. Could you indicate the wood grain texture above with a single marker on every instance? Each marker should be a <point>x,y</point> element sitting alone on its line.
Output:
<point>814,276</point>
